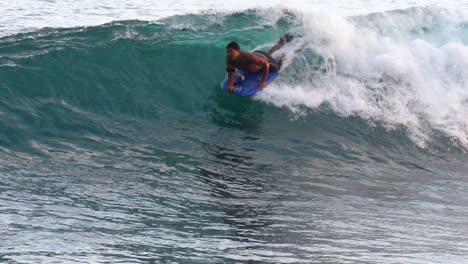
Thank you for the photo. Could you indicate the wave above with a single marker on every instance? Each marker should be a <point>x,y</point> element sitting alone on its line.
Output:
<point>403,70</point>
<point>399,69</point>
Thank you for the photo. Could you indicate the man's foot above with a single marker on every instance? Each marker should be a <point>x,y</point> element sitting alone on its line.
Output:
<point>285,39</point>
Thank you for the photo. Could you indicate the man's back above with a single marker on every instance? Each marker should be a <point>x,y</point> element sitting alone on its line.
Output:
<point>247,61</point>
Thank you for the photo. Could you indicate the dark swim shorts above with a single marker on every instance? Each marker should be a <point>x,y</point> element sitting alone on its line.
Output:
<point>274,66</point>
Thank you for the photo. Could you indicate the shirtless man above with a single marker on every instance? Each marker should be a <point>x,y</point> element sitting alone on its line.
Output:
<point>252,61</point>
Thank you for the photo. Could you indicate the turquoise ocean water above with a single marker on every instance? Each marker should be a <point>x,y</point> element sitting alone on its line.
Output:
<point>118,145</point>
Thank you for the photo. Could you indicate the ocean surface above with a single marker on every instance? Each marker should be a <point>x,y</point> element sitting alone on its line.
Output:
<point>118,145</point>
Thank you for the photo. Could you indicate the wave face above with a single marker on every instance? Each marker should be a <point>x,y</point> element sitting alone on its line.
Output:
<point>122,131</point>
<point>401,70</point>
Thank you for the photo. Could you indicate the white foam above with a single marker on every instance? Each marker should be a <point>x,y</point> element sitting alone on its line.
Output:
<point>408,80</point>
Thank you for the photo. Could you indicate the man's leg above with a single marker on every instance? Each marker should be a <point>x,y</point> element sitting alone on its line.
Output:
<point>284,39</point>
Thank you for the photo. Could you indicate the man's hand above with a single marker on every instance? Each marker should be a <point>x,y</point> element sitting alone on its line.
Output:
<point>262,84</point>
<point>230,89</point>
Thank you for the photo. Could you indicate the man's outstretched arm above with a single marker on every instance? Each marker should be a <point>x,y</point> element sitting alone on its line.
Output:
<point>266,70</point>
<point>231,76</point>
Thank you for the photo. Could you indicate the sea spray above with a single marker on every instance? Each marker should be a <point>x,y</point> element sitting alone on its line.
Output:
<point>403,79</point>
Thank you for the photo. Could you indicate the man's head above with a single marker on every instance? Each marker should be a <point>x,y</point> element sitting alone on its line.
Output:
<point>233,50</point>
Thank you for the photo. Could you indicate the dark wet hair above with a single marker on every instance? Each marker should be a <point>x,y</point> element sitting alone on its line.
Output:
<point>233,45</point>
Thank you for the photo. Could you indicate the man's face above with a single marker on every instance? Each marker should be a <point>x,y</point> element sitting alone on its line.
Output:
<point>232,53</point>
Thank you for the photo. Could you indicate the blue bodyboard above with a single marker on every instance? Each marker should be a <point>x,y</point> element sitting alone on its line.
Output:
<point>247,83</point>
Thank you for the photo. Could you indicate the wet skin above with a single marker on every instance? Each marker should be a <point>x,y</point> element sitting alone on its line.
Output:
<point>248,62</point>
